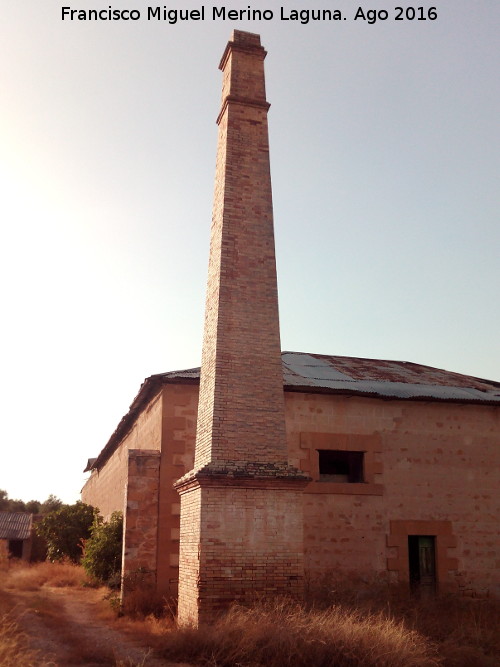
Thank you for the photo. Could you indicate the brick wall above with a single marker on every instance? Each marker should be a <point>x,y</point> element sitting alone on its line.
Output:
<point>239,542</point>
<point>241,475</point>
<point>432,462</point>
<point>241,398</point>
<point>105,488</point>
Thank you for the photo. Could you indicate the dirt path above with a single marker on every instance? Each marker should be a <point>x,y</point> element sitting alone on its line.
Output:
<point>69,627</point>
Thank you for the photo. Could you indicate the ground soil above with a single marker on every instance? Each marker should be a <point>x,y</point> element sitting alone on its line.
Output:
<point>70,627</point>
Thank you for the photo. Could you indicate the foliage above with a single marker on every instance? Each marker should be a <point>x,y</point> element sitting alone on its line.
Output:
<point>103,550</point>
<point>51,504</point>
<point>32,506</point>
<point>65,528</point>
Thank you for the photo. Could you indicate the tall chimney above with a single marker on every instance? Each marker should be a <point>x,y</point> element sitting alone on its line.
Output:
<point>241,505</point>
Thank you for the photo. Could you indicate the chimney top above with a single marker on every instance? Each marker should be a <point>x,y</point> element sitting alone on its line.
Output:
<point>245,38</point>
<point>243,42</point>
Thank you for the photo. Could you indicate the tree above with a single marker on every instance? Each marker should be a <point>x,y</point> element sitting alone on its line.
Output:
<point>102,554</point>
<point>16,506</point>
<point>51,504</point>
<point>4,501</point>
<point>65,528</point>
<point>33,506</point>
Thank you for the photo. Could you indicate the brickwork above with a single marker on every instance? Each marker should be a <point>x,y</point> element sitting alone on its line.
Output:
<point>4,551</point>
<point>241,542</point>
<point>140,525</point>
<point>434,462</point>
<point>236,538</point>
<point>105,488</point>
<point>241,397</point>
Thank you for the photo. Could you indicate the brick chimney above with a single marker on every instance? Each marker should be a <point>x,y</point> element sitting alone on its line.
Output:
<point>241,505</point>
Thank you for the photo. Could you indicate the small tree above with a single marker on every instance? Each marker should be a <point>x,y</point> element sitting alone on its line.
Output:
<point>65,528</point>
<point>52,504</point>
<point>33,506</point>
<point>102,555</point>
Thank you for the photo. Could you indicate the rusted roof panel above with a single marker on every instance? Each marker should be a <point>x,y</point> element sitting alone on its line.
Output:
<point>373,378</point>
<point>384,379</point>
<point>15,525</point>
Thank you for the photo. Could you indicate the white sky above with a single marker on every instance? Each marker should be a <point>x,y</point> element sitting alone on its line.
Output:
<point>385,165</point>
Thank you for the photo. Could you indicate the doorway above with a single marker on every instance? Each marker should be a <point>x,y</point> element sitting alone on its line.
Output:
<point>422,562</point>
<point>15,548</point>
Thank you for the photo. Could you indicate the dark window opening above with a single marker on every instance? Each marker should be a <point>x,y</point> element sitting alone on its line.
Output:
<point>340,466</point>
<point>422,562</point>
<point>15,548</point>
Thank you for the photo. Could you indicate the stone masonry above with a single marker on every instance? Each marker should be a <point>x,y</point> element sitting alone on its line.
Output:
<point>140,520</point>
<point>241,516</point>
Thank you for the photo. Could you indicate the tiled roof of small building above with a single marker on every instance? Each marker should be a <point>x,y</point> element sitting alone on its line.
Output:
<point>353,376</point>
<point>15,525</point>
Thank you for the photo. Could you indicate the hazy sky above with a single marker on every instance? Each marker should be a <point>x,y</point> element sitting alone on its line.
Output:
<point>385,167</point>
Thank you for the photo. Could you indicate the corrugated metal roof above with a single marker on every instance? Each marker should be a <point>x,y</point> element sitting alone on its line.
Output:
<point>375,378</point>
<point>384,379</point>
<point>15,525</point>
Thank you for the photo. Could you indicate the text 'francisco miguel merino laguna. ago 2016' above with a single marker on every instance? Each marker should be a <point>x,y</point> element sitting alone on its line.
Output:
<point>222,13</point>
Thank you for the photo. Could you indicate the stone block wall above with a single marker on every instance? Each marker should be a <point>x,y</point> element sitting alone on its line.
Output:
<point>140,520</point>
<point>428,462</point>
<point>180,406</point>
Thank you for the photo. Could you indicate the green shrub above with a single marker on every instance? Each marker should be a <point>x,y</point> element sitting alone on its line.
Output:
<point>102,555</point>
<point>64,529</point>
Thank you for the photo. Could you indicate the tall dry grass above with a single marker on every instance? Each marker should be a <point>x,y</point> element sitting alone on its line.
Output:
<point>466,631</point>
<point>30,577</point>
<point>349,622</point>
<point>14,647</point>
<point>284,634</point>
<point>14,644</point>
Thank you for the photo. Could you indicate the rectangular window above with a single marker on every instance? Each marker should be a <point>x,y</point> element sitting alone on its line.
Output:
<point>340,466</point>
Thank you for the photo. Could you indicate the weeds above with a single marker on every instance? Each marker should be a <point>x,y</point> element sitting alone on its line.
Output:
<point>14,645</point>
<point>283,634</point>
<point>23,577</point>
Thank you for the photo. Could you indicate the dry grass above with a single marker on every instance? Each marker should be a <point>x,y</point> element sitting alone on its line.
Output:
<point>285,634</point>
<point>14,644</point>
<point>30,577</point>
<point>350,623</point>
<point>466,631</point>
<point>42,614</point>
<point>14,647</point>
<point>355,623</point>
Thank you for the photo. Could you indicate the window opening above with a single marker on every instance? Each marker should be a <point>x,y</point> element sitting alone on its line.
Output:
<point>340,466</point>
